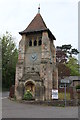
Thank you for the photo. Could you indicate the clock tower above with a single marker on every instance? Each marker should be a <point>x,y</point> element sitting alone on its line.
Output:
<point>36,68</point>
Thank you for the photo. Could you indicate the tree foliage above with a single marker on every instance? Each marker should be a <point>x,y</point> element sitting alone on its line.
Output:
<point>67,64</point>
<point>73,65</point>
<point>9,59</point>
<point>64,52</point>
<point>63,70</point>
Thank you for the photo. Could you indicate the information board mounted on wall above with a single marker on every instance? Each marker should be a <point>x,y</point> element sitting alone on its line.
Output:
<point>54,94</point>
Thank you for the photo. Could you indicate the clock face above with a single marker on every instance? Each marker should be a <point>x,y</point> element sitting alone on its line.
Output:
<point>33,57</point>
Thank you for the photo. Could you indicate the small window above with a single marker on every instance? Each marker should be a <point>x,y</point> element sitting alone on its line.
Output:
<point>30,43</point>
<point>35,43</point>
<point>39,42</point>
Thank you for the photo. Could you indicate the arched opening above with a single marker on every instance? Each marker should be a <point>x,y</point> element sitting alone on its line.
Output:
<point>30,43</point>
<point>35,43</point>
<point>39,42</point>
<point>31,87</point>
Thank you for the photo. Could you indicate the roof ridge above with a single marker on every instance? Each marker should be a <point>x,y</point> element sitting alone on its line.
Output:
<point>36,24</point>
<point>42,20</point>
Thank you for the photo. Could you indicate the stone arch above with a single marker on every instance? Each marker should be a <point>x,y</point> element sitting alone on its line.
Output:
<point>35,42</point>
<point>30,43</point>
<point>39,42</point>
<point>30,85</point>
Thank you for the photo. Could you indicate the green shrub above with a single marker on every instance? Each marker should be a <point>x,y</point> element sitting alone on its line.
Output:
<point>78,87</point>
<point>28,95</point>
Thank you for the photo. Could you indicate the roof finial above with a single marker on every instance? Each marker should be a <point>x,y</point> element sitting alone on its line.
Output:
<point>39,9</point>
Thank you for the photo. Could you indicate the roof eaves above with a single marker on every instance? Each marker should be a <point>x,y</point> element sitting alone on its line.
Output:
<point>51,35</point>
<point>26,32</point>
<point>41,30</point>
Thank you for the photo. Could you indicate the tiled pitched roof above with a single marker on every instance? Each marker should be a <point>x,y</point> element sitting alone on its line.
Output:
<point>37,25</point>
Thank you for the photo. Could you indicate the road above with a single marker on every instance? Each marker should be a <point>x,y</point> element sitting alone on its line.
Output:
<point>5,95</point>
<point>13,109</point>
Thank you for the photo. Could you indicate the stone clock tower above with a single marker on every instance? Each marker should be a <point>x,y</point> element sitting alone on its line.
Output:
<point>36,68</point>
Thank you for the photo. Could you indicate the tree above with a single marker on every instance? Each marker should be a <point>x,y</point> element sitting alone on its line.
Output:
<point>73,65</point>
<point>63,70</point>
<point>63,53</point>
<point>61,56</point>
<point>9,59</point>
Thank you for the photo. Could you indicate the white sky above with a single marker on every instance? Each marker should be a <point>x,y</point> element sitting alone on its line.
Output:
<point>60,16</point>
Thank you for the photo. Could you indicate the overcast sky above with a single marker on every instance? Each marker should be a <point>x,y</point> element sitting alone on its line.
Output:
<point>60,16</point>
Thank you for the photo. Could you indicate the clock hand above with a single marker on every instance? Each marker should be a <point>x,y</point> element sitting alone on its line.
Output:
<point>32,56</point>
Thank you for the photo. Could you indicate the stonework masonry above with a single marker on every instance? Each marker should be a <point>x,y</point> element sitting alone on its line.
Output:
<point>36,68</point>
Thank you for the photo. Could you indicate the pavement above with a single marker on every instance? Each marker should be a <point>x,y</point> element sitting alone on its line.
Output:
<point>13,109</point>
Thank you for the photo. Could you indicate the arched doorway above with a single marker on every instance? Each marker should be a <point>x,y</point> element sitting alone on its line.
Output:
<point>29,85</point>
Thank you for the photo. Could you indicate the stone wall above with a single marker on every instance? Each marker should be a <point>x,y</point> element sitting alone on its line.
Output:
<point>42,71</point>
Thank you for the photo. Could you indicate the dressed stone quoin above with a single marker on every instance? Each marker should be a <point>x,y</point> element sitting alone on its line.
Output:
<point>36,69</point>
